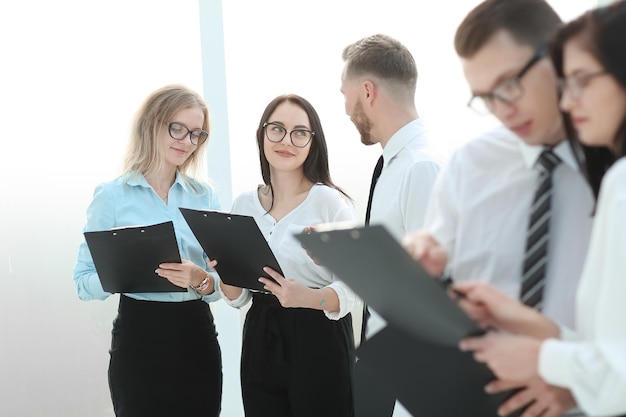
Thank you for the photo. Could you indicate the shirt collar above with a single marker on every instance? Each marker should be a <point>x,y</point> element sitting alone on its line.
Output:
<point>563,150</point>
<point>406,134</point>
<point>138,179</point>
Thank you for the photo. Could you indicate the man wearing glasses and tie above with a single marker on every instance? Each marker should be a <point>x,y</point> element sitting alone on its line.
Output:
<point>512,206</point>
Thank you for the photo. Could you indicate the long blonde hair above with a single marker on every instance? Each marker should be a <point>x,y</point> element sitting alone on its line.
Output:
<point>143,154</point>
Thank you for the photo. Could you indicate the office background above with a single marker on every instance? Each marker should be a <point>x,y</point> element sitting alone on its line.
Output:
<point>74,72</point>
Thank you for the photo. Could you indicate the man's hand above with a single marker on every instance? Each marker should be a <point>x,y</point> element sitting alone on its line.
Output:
<point>540,398</point>
<point>492,308</point>
<point>425,249</point>
<point>510,357</point>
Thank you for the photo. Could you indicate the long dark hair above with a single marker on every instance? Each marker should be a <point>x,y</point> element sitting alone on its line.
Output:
<point>316,164</point>
<point>602,31</point>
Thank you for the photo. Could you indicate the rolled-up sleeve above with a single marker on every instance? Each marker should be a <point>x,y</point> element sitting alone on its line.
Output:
<point>100,216</point>
<point>347,300</point>
<point>238,302</point>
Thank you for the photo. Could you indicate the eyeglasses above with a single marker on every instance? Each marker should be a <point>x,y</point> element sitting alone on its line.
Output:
<point>276,133</point>
<point>575,84</point>
<point>179,131</point>
<point>507,91</point>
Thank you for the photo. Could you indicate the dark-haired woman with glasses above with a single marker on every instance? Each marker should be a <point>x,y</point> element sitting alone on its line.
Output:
<point>165,357</point>
<point>298,343</point>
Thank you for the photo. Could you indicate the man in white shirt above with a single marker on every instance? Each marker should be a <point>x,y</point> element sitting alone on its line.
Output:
<point>378,84</point>
<point>476,225</point>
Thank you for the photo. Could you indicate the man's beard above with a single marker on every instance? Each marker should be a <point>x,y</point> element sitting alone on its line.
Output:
<point>363,124</point>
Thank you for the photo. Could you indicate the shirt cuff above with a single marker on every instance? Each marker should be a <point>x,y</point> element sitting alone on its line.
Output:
<point>214,296</point>
<point>555,360</point>
<point>238,302</point>
<point>567,334</point>
<point>94,290</point>
<point>347,300</point>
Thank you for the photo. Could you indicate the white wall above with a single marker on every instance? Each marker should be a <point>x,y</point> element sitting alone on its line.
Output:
<point>310,37</point>
<point>73,73</point>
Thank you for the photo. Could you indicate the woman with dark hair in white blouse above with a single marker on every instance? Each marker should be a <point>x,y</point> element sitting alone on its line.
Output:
<point>298,343</point>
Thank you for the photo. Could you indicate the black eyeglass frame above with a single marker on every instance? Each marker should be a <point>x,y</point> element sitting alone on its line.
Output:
<point>203,135</point>
<point>490,98</point>
<point>266,124</point>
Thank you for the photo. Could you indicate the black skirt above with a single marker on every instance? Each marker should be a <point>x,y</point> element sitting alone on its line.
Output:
<point>165,360</point>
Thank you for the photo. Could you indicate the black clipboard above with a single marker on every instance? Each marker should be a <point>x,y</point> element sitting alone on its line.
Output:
<point>416,356</point>
<point>125,258</point>
<point>236,242</point>
<point>372,396</point>
<point>429,379</point>
<point>372,262</point>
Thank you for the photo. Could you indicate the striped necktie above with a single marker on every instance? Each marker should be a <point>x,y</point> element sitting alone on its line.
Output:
<point>536,254</point>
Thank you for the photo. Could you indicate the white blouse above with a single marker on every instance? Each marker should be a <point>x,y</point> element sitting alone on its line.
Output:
<point>323,204</point>
<point>594,367</point>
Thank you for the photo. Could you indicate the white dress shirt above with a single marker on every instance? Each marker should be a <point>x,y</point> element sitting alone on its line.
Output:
<point>594,368</point>
<point>411,166</point>
<point>480,211</point>
<point>322,205</point>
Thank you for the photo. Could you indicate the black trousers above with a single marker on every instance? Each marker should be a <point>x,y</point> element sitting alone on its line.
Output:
<point>296,362</point>
<point>165,360</point>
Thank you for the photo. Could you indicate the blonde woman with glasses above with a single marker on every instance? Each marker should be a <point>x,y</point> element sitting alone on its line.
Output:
<point>165,357</point>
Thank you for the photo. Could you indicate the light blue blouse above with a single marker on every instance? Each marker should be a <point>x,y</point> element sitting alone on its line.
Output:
<point>131,201</point>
